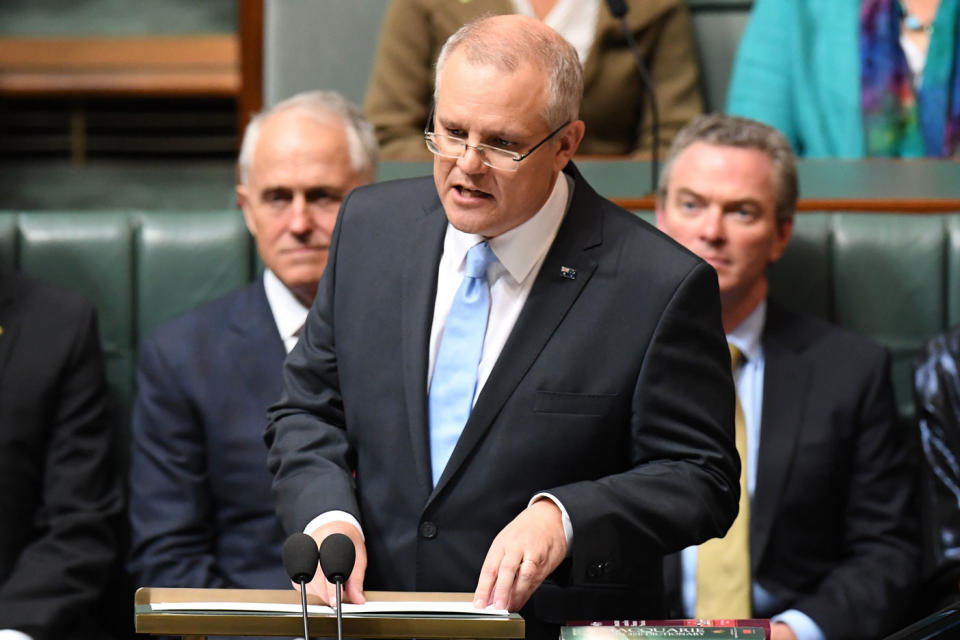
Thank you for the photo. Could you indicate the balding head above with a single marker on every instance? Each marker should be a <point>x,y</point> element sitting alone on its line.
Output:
<point>508,41</point>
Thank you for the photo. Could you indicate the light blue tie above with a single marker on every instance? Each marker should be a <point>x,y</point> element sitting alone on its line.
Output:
<point>454,381</point>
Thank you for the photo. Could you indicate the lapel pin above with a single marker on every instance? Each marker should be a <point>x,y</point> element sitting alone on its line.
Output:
<point>568,272</point>
<point>1,331</point>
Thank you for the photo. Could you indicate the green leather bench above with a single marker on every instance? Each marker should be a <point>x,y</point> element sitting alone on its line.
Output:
<point>895,278</point>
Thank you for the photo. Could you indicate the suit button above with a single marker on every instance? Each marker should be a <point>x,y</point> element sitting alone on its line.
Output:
<point>596,569</point>
<point>428,530</point>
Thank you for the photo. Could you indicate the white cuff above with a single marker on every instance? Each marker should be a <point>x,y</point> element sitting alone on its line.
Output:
<point>324,518</point>
<point>803,625</point>
<point>13,634</point>
<point>564,516</point>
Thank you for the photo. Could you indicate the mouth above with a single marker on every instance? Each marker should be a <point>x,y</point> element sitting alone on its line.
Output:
<point>471,194</point>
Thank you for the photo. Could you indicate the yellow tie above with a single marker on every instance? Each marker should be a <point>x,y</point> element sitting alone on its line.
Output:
<point>723,564</point>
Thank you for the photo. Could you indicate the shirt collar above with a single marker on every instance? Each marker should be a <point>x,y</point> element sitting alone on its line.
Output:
<point>519,249</point>
<point>746,335</point>
<point>289,314</point>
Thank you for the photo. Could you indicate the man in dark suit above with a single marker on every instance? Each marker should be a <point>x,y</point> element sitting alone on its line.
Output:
<point>829,545</point>
<point>602,403</point>
<point>59,495</point>
<point>200,508</point>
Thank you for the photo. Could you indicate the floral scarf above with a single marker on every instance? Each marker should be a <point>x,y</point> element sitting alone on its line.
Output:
<point>899,120</point>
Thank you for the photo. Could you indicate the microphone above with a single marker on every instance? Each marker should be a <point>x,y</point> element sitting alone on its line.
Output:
<point>618,9</point>
<point>337,555</point>
<point>300,558</point>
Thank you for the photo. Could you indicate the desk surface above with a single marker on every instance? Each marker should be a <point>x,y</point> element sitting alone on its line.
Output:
<point>210,623</point>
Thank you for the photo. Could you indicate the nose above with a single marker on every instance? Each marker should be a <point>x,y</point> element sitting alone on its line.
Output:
<point>712,230</point>
<point>471,161</point>
<point>299,216</point>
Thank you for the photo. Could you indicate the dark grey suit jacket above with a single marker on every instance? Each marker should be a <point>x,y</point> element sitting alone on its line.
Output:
<point>60,495</point>
<point>832,521</point>
<point>613,392</point>
<point>201,513</point>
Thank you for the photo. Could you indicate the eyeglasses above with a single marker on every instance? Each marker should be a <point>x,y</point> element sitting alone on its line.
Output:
<point>448,146</point>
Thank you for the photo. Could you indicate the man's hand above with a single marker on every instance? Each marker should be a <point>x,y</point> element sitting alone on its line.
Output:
<point>353,588</point>
<point>522,555</point>
<point>781,631</point>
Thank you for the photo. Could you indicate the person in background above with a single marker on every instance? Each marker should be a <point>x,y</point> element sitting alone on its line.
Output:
<point>853,79</point>
<point>825,541</point>
<point>615,108</point>
<point>507,384</point>
<point>60,495</point>
<point>201,513</point>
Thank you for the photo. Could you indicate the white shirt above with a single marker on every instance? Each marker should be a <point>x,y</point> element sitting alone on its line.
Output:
<point>520,254</point>
<point>575,20</point>
<point>289,314</point>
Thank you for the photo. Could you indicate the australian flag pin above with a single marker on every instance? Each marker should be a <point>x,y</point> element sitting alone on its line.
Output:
<point>568,272</point>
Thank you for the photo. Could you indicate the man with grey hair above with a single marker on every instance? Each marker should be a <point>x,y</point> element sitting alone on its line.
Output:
<point>201,514</point>
<point>507,384</point>
<point>824,540</point>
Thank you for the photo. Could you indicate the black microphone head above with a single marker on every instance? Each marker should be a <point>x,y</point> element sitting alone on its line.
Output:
<point>337,555</point>
<point>300,557</point>
<point>618,8</point>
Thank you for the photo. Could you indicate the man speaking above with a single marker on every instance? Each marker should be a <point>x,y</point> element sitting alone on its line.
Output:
<point>507,384</point>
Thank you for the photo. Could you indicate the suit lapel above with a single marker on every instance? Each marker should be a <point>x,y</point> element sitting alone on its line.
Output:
<point>550,299</point>
<point>419,288</point>
<point>8,320</point>
<point>786,385</point>
<point>257,349</point>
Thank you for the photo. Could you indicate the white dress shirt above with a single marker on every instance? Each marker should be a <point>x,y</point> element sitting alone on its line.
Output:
<point>575,20</point>
<point>289,313</point>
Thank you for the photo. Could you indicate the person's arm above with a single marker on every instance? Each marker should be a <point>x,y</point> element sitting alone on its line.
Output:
<point>400,91</point>
<point>63,571</point>
<point>867,591</point>
<point>172,519</point>
<point>682,487</point>
<point>761,85</point>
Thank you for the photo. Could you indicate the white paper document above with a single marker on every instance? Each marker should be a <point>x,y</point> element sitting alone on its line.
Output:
<point>377,608</point>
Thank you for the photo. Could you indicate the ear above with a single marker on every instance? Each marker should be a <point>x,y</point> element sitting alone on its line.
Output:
<point>784,231</point>
<point>243,201</point>
<point>569,139</point>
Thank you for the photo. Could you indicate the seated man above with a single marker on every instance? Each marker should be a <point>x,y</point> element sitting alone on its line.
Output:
<point>825,542</point>
<point>59,497</point>
<point>200,507</point>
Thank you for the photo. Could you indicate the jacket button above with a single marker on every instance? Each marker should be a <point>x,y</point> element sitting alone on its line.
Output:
<point>428,530</point>
<point>596,570</point>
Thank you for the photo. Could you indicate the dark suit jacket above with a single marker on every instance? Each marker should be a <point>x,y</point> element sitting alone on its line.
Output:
<point>200,509</point>
<point>613,392</point>
<point>59,494</point>
<point>832,524</point>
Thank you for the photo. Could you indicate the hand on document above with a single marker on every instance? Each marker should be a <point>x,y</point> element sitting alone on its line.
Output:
<point>522,555</point>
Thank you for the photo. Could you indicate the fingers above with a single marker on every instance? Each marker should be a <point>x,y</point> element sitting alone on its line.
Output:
<point>353,588</point>
<point>520,558</point>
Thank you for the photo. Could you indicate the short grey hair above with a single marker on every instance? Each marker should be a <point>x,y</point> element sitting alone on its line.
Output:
<point>322,106</point>
<point>734,131</point>
<point>506,49</point>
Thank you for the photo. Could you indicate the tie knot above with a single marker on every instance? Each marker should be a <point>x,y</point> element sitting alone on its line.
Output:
<point>479,257</point>
<point>736,356</point>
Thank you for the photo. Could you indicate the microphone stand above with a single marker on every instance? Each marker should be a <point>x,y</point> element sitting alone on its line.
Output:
<point>303,600</point>
<point>619,10</point>
<point>339,610</point>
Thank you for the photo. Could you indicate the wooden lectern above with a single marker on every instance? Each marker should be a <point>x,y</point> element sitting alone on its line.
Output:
<point>196,625</point>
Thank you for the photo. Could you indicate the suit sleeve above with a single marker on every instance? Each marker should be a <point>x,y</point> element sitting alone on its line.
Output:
<point>62,572</point>
<point>866,594</point>
<point>309,454</point>
<point>683,485</point>
<point>401,83</point>
<point>171,512</point>
<point>761,86</point>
